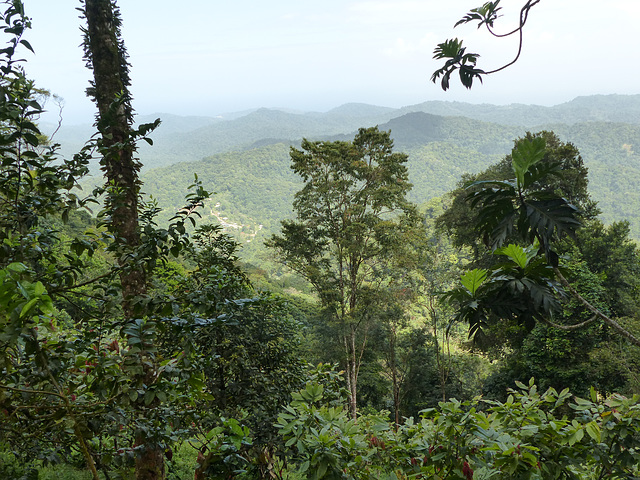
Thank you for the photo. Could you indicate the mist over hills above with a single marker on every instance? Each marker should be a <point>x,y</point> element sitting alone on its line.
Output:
<point>180,139</point>
<point>595,108</point>
<point>244,158</point>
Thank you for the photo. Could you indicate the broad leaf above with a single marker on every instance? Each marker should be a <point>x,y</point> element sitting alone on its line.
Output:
<point>487,14</point>
<point>546,218</point>
<point>473,279</point>
<point>453,50</point>
<point>526,153</point>
<point>516,253</point>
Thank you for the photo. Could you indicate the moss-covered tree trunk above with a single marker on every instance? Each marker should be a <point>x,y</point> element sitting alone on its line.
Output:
<point>109,89</point>
<point>106,56</point>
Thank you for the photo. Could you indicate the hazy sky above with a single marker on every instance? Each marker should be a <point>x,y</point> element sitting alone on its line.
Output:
<point>207,57</point>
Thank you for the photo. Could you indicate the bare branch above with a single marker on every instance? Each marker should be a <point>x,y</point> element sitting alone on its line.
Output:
<point>577,326</point>
<point>609,321</point>
<point>524,15</point>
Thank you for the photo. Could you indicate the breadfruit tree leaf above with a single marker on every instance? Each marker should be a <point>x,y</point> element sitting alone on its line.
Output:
<point>473,279</point>
<point>516,253</point>
<point>525,155</point>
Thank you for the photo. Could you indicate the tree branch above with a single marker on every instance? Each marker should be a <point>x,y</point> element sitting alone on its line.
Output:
<point>597,313</point>
<point>524,15</point>
<point>577,326</point>
<point>455,54</point>
<point>82,284</point>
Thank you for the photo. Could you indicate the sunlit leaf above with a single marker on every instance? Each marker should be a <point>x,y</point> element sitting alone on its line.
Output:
<point>515,253</point>
<point>473,279</point>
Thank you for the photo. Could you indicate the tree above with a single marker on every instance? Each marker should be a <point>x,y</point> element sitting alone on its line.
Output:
<point>106,57</point>
<point>602,265</point>
<point>527,286</point>
<point>72,369</point>
<point>345,230</point>
<point>35,383</point>
<point>456,56</point>
<point>570,181</point>
<point>248,344</point>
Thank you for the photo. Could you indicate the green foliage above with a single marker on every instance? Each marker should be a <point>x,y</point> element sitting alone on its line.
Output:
<point>517,295</point>
<point>611,254</point>
<point>578,357</point>
<point>73,377</point>
<point>456,59</point>
<point>80,382</point>
<point>460,220</point>
<point>473,279</point>
<point>485,15</point>
<point>247,344</point>
<point>531,435</point>
<point>526,206</point>
<point>345,238</point>
<point>256,186</point>
<point>348,187</point>
<point>227,446</point>
<point>519,206</point>
<point>522,289</point>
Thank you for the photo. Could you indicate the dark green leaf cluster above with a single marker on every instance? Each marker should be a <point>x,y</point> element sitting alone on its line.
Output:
<point>521,290</point>
<point>71,369</point>
<point>485,15</point>
<point>518,207</point>
<point>533,434</point>
<point>343,211</point>
<point>457,59</point>
<point>247,344</point>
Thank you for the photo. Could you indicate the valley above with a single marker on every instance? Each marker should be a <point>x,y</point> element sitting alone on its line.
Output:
<point>244,157</point>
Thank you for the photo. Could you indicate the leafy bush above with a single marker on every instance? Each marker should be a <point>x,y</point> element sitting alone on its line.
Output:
<point>532,435</point>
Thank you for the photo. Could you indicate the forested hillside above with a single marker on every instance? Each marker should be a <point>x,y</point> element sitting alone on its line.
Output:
<point>181,139</point>
<point>595,108</point>
<point>611,152</point>
<point>254,184</point>
<point>346,308</point>
<point>251,185</point>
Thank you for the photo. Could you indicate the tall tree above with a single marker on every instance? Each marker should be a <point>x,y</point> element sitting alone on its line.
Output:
<point>461,220</point>
<point>34,186</point>
<point>106,56</point>
<point>527,209</point>
<point>346,229</point>
<point>71,369</point>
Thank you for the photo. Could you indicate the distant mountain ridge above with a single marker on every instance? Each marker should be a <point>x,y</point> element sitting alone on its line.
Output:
<point>256,186</point>
<point>181,139</point>
<point>246,158</point>
<point>595,108</point>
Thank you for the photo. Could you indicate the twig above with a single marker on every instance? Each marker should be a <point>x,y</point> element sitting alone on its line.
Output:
<point>524,14</point>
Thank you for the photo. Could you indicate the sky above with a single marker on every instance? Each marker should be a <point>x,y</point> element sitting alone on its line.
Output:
<point>208,57</point>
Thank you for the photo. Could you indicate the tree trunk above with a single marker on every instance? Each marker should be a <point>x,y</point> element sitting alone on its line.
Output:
<point>149,463</point>
<point>106,56</point>
<point>393,365</point>
<point>351,369</point>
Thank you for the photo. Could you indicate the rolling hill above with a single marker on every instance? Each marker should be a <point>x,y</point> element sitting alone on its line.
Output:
<point>181,139</point>
<point>244,159</point>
